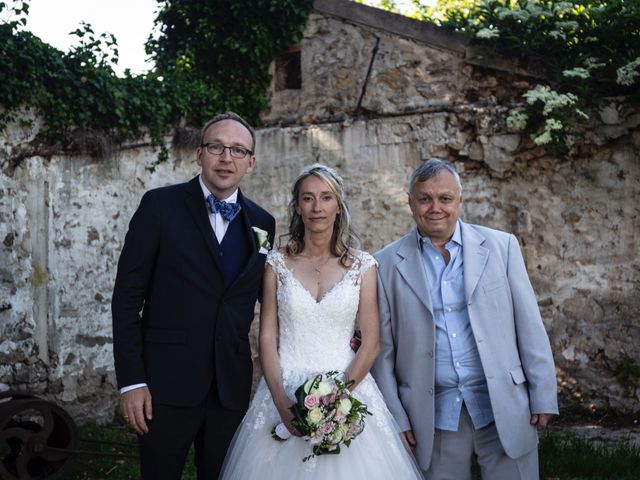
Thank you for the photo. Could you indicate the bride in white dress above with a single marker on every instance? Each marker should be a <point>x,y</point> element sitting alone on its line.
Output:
<point>315,291</point>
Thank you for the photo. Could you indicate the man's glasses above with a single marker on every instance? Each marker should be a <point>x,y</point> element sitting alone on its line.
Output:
<point>234,151</point>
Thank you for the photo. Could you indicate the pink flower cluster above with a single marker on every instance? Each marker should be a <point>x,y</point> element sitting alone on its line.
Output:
<point>326,413</point>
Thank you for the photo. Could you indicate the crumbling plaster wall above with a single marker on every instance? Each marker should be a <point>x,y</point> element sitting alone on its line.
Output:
<point>63,218</point>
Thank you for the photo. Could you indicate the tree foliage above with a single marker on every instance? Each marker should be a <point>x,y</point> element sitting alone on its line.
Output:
<point>77,90</point>
<point>587,50</point>
<point>214,55</point>
<point>217,53</point>
<point>210,56</point>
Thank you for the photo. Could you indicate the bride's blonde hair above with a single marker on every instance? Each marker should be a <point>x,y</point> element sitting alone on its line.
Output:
<point>344,238</point>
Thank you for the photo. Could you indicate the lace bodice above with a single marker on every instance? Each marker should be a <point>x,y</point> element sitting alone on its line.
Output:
<point>314,336</point>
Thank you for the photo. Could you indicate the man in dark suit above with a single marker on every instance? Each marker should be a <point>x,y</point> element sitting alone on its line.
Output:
<point>187,283</point>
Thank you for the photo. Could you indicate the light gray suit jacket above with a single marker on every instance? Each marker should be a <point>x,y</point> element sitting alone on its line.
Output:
<point>512,342</point>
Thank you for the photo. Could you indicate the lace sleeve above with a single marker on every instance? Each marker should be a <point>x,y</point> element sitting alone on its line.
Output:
<point>272,258</point>
<point>366,262</point>
<point>275,258</point>
<point>362,262</point>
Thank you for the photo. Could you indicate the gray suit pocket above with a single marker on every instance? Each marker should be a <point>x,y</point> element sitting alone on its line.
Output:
<point>493,286</point>
<point>517,375</point>
<point>161,335</point>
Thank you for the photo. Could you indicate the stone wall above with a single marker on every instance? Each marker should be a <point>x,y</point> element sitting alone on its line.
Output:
<point>63,218</point>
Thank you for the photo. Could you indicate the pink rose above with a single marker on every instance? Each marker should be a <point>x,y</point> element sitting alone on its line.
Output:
<point>327,427</point>
<point>310,402</point>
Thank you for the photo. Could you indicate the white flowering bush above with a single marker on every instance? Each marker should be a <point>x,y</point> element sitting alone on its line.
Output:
<point>628,74</point>
<point>549,114</point>
<point>586,50</point>
<point>517,120</point>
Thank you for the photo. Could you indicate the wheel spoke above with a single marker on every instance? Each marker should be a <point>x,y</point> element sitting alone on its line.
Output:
<point>37,434</point>
<point>22,466</point>
<point>4,473</point>
<point>15,432</point>
<point>47,417</point>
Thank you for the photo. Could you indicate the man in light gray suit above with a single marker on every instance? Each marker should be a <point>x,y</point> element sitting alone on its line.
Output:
<point>465,364</point>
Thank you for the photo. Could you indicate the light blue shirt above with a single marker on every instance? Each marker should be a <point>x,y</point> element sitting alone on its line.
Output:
<point>459,374</point>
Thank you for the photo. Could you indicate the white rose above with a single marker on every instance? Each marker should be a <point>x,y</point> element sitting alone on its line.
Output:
<point>337,436</point>
<point>323,389</point>
<point>314,416</point>
<point>344,405</point>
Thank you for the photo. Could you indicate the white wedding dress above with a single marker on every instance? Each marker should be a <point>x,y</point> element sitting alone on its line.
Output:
<point>314,337</point>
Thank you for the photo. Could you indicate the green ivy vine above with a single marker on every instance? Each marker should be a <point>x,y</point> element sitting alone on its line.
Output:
<point>209,57</point>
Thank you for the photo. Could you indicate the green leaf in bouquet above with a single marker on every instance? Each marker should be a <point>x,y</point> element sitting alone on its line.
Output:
<point>299,419</point>
<point>324,450</point>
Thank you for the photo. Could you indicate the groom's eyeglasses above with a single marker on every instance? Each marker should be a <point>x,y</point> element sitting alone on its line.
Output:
<point>234,151</point>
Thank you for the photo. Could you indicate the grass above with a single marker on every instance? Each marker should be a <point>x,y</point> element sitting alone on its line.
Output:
<point>567,456</point>
<point>563,456</point>
<point>117,459</point>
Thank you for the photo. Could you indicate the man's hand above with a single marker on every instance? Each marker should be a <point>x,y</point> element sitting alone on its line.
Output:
<point>356,340</point>
<point>540,420</point>
<point>410,439</point>
<point>136,408</point>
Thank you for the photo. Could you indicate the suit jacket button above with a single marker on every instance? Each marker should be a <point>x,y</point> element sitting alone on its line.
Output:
<point>431,391</point>
<point>220,254</point>
<point>430,354</point>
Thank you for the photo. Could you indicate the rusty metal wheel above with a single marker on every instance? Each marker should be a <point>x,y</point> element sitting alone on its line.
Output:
<point>36,439</point>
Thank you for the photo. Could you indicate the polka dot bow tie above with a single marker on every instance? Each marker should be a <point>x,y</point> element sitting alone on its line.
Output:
<point>227,210</point>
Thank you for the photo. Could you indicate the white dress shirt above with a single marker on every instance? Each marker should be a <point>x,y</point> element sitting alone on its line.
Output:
<point>218,224</point>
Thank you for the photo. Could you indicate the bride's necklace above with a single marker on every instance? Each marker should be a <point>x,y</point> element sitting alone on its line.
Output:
<point>317,266</point>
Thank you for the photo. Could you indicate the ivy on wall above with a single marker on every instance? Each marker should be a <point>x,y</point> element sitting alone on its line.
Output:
<point>218,52</point>
<point>210,56</point>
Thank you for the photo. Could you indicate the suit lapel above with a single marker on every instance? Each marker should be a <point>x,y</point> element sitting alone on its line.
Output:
<point>475,258</point>
<point>245,213</point>
<point>196,206</point>
<point>411,269</point>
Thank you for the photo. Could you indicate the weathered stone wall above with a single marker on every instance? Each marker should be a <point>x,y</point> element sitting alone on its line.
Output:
<point>63,218</point>
<point>62,224</point>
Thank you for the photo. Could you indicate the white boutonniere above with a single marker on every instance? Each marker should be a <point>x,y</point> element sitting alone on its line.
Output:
<point>262,239</point>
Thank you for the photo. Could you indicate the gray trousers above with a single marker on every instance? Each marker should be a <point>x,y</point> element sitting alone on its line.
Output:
<point>453,451</point>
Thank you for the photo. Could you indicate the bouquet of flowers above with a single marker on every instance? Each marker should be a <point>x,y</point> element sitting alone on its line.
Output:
<point>326,414</point>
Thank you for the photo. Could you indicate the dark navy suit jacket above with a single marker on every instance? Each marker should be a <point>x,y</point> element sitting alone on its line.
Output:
<point>176,326</point>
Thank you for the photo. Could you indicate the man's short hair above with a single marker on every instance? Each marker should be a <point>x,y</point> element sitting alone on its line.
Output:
<point>432,168</point>
<point>229,116</point>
